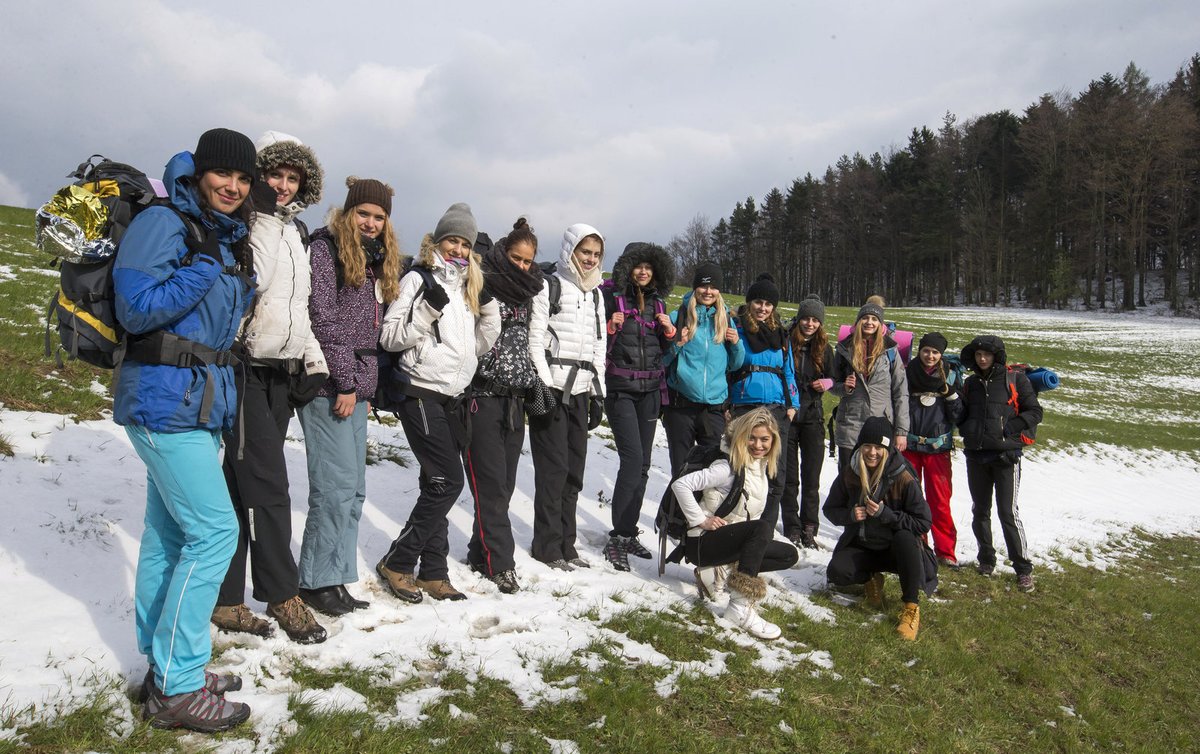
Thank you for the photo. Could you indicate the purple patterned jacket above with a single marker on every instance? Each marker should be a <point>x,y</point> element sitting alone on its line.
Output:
<point>346,322</point>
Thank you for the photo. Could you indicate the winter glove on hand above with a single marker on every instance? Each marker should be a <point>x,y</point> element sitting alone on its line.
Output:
<point>436,296</point>
<point>207,250</point>
<point>304,387</point>
<point>263,197</point>
<point>595,412</point>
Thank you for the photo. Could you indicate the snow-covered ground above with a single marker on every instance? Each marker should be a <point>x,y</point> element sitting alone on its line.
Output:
<point>71,517</point>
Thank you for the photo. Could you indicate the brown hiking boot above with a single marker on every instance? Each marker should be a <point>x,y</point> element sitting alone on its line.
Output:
<point>239,619</point>
<point>873,591</point>
<point>401,584</point>
<point>910,621</point>
<point>297,621</point>
<point>440,589</point>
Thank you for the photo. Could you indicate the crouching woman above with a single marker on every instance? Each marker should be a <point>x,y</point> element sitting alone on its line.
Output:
<point>731,526</point>
<point>884,516</point>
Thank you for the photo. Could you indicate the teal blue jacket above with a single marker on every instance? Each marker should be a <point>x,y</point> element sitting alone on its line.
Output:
<point>699,369</point>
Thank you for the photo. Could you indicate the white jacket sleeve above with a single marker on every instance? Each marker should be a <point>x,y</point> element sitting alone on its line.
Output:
<point>400,332</point>
<point>539,321</point>
<point>487,327</point>
<point>718,475</point>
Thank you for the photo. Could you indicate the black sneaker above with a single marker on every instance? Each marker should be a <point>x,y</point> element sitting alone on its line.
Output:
<point>985,569</point>
<point>507,581</point>
<point>808,538</point>
<point>200,710</point>
<point>559,565</point>
<point>616,554</point>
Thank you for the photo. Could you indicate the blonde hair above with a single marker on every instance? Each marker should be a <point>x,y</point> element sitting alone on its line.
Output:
<point>737,436</point>
<point>862,361</point>
<point>353,260</point>
<point>869,478</point>
<point>720,320</point>
<point>427,257</point>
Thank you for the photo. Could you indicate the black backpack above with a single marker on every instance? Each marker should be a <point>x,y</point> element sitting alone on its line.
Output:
<point>82,226</point>
<point>670,522</point>
<point>391,389</point>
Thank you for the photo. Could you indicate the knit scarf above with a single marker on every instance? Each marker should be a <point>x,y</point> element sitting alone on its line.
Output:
<point>921,381</point>
<point>506,281</point>
<point>765,339</point>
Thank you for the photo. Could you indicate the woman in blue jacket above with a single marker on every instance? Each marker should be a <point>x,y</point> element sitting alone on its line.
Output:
<point>183,280</point>
<point>706,348</point>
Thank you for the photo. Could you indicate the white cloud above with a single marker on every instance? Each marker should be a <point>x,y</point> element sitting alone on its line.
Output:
<point>11,193</point>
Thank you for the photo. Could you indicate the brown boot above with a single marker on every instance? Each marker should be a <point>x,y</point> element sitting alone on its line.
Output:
<point>239,619</point>
<point>440,589</point>
<point>401,584</point>
<point>910,621</point>
<point>297,621</point>
<point>873,591</point>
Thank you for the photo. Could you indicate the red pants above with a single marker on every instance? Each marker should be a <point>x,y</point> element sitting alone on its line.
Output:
<point>934,468</point>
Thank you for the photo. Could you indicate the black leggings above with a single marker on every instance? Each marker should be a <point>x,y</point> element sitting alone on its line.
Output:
<point>725,545</point>
<point>853,564</point>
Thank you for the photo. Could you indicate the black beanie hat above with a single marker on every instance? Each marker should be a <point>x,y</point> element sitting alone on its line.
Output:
<point>811,306</point>
<point>763,288</point>
<point>876,430</point>
<point>368,190</point>
<point>934,340</point>
<point>708,273</point>
<point>222,148</point>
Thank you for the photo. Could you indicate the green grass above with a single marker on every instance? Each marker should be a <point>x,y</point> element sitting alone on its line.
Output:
<point>1093,660</point>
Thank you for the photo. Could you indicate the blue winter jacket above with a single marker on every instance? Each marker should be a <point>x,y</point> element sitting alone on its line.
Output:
<point>762,388</point>
<point>699,369</point>
<point>200,302</point>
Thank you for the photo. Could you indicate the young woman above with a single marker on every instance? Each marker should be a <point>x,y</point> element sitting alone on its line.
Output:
<point>639,331</point>
<point>812,361</point>
<point>185,268</point>
<point>884,518</point>
<point>566,344</point>
<point>355,272</point>
<point>869,378</point>
<point>278,349</point>
<point>440,328</point>
<point>705,350</point>
<point>1000,417</point>
<point>504,375</point>
<point>767,376</point>
<point>734,519</point>
<point>933,410</point>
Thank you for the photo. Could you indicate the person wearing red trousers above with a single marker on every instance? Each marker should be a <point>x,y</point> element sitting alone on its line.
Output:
<point>934,408</point>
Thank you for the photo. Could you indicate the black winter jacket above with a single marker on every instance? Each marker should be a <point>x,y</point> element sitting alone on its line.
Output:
<point>990,425</point>
<point>636,348</point>
<point>902,509</point>
<point>811,408</point>
<point>931,427</point>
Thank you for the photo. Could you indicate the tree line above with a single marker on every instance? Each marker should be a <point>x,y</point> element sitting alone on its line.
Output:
<point>1078,200</point>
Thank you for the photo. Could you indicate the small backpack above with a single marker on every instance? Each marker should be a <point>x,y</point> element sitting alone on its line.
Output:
<point>391,389</point>
<point>82,226</point>
<point>670,523</point>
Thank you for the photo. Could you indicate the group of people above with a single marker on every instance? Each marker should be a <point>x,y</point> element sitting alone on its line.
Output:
<point>238,316</point>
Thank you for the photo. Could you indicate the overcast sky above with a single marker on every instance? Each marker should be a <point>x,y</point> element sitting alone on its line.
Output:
<point>630,116</point>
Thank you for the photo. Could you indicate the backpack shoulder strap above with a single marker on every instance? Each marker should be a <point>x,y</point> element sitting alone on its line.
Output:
<point>304,237</point>
<point>554,286</point>
<point>427,281</point>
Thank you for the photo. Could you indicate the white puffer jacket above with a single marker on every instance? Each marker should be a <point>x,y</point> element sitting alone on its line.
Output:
<point>576,333</point>
<point>278,326</point>
<point>714,484</point>
<point>447,363</point>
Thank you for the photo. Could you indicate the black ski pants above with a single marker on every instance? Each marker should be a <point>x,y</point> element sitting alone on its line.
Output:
<point>689,425</point>
<point>800,505</point>
<point>558,443</point>
<point>853,564</point>
<point>998,475</point>
<point>490,459</point>
<point>633,417</point>
<point>258,486</point>
<point>424,540</point>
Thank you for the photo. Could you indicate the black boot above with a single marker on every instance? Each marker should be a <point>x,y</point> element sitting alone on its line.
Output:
<point>349,599</point>
<point>325,600</point>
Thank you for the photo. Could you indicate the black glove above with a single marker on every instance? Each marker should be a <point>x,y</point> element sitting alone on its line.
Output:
<point>435,296</point>
<point>595,411</point>
<point>302,388</point>
<point>485,298</point>
<point>207,250</point>
<point>263,197</point>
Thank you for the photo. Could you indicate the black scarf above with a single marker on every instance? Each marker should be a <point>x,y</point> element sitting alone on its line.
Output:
<point>373,249</point>
<point>763,340</point>
<point>920,381</point>
<point>506,281</point>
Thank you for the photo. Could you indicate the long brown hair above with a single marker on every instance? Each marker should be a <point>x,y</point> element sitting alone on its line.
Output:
<point>242,252</point>
<point>816,346</point>
<point>353,260</point>
<point>750,324</point>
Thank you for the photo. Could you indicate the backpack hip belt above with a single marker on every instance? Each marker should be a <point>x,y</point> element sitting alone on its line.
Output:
<point>168,349</point>
<point>287,366</point>
<point>635,374</point>
<point>575,366</point>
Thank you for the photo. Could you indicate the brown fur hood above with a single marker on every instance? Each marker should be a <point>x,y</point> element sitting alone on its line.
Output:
<point>638,252</point>
<point>275,149</point>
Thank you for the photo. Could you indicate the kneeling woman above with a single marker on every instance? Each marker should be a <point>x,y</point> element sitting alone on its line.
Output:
<point>732,525</point>
<point>879,504</point>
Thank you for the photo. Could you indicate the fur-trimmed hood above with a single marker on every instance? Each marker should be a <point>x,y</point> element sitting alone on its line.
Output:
<point>638,252</point>
<point>276,148</point>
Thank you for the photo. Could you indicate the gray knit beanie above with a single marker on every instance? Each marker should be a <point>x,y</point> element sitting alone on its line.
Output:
<point>811,306</point>
<point>870,308</point>
<point>458,221</point>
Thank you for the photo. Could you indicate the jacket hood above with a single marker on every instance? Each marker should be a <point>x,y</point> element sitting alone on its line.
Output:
<point>447,273</point>
<point>571,238</point>
<point>638,252</point>
<point>991,343</point>
<point>276,148</point>
<point>177,178</point>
